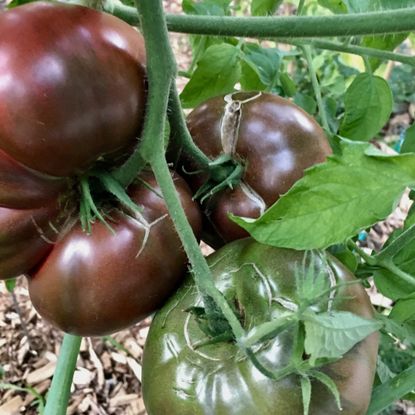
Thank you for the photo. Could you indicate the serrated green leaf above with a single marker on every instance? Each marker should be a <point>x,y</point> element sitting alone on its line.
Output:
<point>392,390</point>
<point>264,7</point>
<point>331,335</point>
<point>329,383</point>
<point>368,106</point>
<point>217,73</point>
<point>336,6</point>
<point>408,145</point>
<point>306,393</point>
<point>335,200</point>
<point>264,61</point>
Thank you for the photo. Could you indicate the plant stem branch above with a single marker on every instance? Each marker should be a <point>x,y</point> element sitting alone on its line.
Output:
<point>366,257</point>
<point>398,244</point>
<point>161,72</point>
<point>181,137</point>
<point>390,21</point>
<point>316,87</point>
<point>58,396</point>
<point>352,49</point>
<point>404,276</point>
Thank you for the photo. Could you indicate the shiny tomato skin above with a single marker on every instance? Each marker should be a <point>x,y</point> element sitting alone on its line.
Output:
<point>26,237</point>
<point>23,188</point>
<point>72,86</point>
<point>96,284</point>
<point>217,379</point>
<point>273,139</point>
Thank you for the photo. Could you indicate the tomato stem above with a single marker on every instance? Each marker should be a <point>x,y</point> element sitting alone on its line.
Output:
<point>316,87</point>
<point>58,396</point>
<point>352,49</point>
<point>161,72</point>
<point>371,23</point>
<point>180,134</point>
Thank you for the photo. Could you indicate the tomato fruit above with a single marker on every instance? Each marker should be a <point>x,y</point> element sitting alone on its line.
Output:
<point>72,94</point>
<point>95,284</point>
<point>217,379</point>
<point>272,138</point>
<point>30,215</point>
<point>72,86</point>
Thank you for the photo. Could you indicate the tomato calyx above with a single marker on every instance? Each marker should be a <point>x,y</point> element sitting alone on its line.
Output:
<point>223,172</point>
<point>95,186</point>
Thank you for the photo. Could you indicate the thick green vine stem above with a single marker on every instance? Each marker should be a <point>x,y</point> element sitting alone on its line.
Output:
<point>161,72</point>
<point>391,21</point>
<point>58,396</point>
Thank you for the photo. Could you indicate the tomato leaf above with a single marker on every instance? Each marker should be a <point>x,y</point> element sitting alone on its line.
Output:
<point>384,42</point>
<point>335,200</point>
<point>404,309</point>
<point>217,73</point>
<point>264,7</point>
<point>331,335</point>
<point>265,62</point>
<point>288,85</point>
<point>306,393</point>
<point>400,248</point>
<point>250,80</point>
<point>408,145</point>
<point>392,390</point>
<point>336,6</point>
<point>383,371</point>
<point>206,7</point>
<point>306,102</point>
<point>330,385</point>
<point>368,106</point>
<point>361,6</point>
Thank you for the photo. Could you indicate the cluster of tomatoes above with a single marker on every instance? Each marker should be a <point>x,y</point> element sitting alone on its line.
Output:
<point>72,96</point>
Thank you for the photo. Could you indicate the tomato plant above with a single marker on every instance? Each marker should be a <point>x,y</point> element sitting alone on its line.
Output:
<point>272,139</point>
<point>99,283</point>
<point>202,377</point>
<point>72,135</point>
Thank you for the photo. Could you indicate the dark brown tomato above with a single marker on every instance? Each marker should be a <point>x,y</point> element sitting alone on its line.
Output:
<point>95,284</point>
<point>24,188</point>
<point>274,140</point>
<point>217,379</point>
<point>72,86</point>
<point>26,237</point>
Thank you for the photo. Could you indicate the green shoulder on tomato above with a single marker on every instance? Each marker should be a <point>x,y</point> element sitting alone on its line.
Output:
<point>217,379</point>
